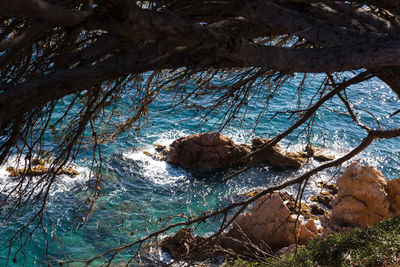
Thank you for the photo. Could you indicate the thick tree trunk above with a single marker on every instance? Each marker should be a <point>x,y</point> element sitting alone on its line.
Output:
<point>170,37</point>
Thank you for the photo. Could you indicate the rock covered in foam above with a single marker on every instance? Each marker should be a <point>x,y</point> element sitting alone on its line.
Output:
<point>38,167</point>
<point>362,198</point>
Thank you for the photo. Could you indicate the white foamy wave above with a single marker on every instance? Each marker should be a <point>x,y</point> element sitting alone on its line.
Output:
<point>159,172</point>
<point>64,182</point>
<point>239,136</point>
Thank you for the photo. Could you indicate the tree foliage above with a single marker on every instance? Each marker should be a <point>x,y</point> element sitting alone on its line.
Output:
<point>86,54</point>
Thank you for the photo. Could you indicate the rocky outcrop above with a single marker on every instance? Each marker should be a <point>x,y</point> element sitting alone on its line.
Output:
<point>38,168</point>
<point>212,150</point>
<point>206,150</point>
<point>362,198</point>
<point>271,223</point>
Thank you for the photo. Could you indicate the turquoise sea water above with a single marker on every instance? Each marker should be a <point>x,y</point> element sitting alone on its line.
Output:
<point>137,188</point>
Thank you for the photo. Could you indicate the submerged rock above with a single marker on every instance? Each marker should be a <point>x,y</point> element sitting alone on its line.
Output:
<point>271,223</point>
<point>206,150</point>
<point>362,198</point>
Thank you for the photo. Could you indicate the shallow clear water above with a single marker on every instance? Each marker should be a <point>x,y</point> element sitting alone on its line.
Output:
<point>132,179</point>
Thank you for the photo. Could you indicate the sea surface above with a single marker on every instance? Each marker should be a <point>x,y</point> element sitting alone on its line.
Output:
<point>138,189</point>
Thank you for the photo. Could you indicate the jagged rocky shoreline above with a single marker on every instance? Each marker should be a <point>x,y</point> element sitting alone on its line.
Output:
<point>361,196</point>
<point>212,150</point>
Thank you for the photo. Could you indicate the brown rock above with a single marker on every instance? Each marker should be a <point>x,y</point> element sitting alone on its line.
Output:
<point>213,151</point>
<point>33,171</point>
<point>38,170</point>
<point>148,154</point>
<point>332,188</point>
<point>69,171</point>
<point>184,244</point>
<point>258,142</point>
<point>293,206</point>
<point>155,156</point>
<point>179,244</point>
<point>317,154</point>
<point>276,157</point>
<point>287,160</point>
<point>393,190</point>
<point>324,198</point>
<point>323,157</point>
<point>206,150</point>
<point>159,148</point>
<point>308,231</point>
<point>317,210</point>
<point>361,199</point>
<point>310,150</point>
<point>287,197</point>
<point>271,222</point>
<point>160,154</point>
<point>12,171</point>
<point>38,162</point>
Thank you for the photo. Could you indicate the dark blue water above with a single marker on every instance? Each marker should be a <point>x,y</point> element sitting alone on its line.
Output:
<point>137,188</point>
